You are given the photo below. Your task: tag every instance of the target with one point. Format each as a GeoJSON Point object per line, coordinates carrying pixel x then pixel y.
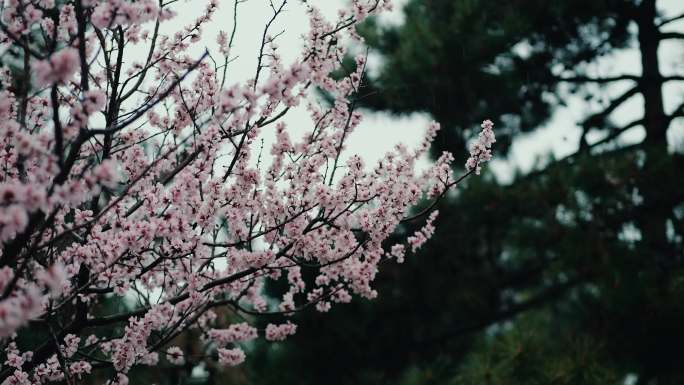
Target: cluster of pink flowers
{"type": "Point", "coordinates": [418, 239]}
{"type": "Point", "coordinates": [59, 68]}
{"type": "Point", "coordinates": [231, 357]}
{"type": "Point", "coordinates": [280, 332]}
{"type": "Point", "coordinates": [119, 12]}
{"type": "Point", "coordinates": [146, 182]}
{"type": "Point", "coordinates": [481, 150]}
{"type": "Point", "coordinates": [238, 332]}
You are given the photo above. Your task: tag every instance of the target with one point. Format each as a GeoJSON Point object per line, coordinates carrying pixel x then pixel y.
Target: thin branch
{"type": "Point", "coordinates": [670, 20]}
{"type": "Point", "coordinates": [59, 134]}
{"type": "Point", "coordinates": [598, 118]}
{"type": "Point", "coordinates": [143, 73]}
{"type": "Point", "coordinates": [81, 23]}
{"type": "Point", "coordinates": [143, 110]}
{"type": "Point", "coordinates": [588, 79]}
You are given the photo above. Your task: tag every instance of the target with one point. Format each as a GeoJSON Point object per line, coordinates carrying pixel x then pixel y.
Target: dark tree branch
{"type": "Point", "coordinates": [670, 35]}
{"type": "Point", "coordinates": [598, 119]}
{"type": "Point", "coordinates": [677, 113]}
{"type": "Point", "coordinates": [674, 78]}
{"type": "Point", "coordinates": [547, 296]}
{"type": "Point", "coordinates": [143, 109]}
{"type": "Point", "coordinates": [670, 20]}
{"type": "Point", "coordinates": [81, 22]}
{"type": "Point", "coordinates": [59, 135]}
{"type": "Point", "coordinates": [588, 79]}
{"type": "Point", "coordinates": [143, 73]}
{"type": "Point", "coordinates": [218, 282]}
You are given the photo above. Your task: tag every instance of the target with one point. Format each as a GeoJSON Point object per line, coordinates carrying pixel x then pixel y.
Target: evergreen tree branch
{"type": "Point", "coordinates": [671, 35]}
{"type": "Point", "coordinates": [588, 79]}
{"type": "Point", "coordinates": [670, 20]}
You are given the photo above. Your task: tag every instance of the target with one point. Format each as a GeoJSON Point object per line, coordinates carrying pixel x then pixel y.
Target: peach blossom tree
{"type": "Point", "coordinates": [142, 178]}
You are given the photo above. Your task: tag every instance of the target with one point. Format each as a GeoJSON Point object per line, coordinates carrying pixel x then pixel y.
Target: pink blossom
{"type": "Point", "coordinates": [280, 332]}
{"type": "Point", "coordinates": [398, 252]}
{"type": "Point", "coordinates": [58, 68]}
{"type": "Point", "coordinates": [94, 100]}
{"type": "Point", "coordinates": [80, 368]}
{"type": "Point", "coordinates": [106, 173]}
{"type": "Point", "coordinates": [234, 333]}
{"type": "Point", "coordinates": [18, 378]}
{"type": "Point", "coordinates": [6, 275]}
{"type": "Point", "coordinates": [70, 345]}
{"type": "Point", "coordinates": [54, 278]}
{"type": "Point", "coordinates": [103, 15]}
{"type": "Point", "coordinates": [222, 41]}
{"type": "Point", "coordinates": [480, 151]}
{"type": "Point", "coordinates": [231, 357]}
{"type": "Point", "coordinates": [14, 360]}
{"type": "Point", "coordinates": [175, 355]}
{"type": "Point", "coordinates": [418, 239]}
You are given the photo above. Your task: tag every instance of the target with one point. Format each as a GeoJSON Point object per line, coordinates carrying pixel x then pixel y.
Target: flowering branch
{"type": "Point", "coordinates": [175, 202]}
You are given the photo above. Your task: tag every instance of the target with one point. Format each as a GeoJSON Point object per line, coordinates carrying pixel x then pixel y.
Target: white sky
{"type": "Point", "coordinates": [379, 132]}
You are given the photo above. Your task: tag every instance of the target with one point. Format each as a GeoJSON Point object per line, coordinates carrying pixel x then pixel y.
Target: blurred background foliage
{"type": "Point", "coordinates": [570, 274]}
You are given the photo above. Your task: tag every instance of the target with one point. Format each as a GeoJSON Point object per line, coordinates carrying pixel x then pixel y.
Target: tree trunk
{"type": "Point", "coordinates": [657, 206]}
{"type": "Point", "coordinates": [651, 83]}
